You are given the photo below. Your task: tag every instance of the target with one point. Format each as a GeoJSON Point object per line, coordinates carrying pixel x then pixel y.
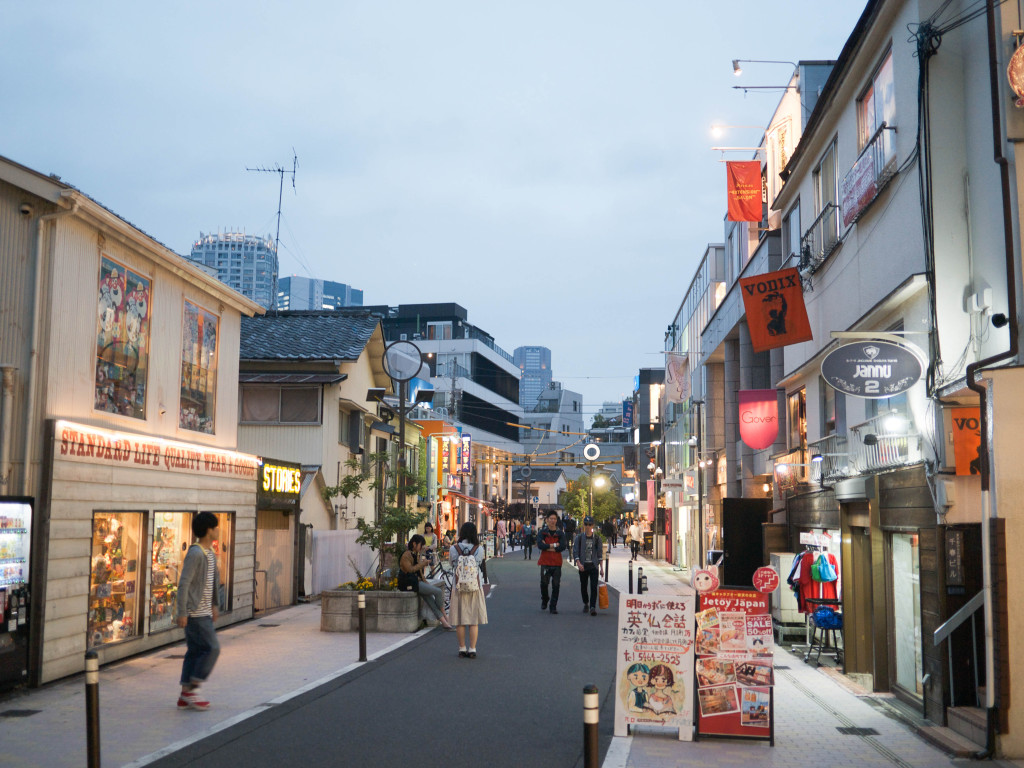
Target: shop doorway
{"type": "Point", "coordinates": [905, 640]}
{"type": "Point", "coordinates": [274, 559]}
{"type": "Point", "coordinates": [743, 539]}
{"type": "Point", "coordinates": [858, 635]}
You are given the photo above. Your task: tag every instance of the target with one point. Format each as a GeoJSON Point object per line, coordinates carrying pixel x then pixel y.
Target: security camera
{"type": "Point", "coordinates": [25, 209]}
{"type": "Point", "coordinates": [999, 320]}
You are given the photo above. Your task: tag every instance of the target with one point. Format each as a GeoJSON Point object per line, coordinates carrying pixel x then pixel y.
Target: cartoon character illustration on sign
{"type": "Point", "coordinates": [776, 304]}
{"type": "Point", "coordinates": [662, 680]}
{"type": "Point", "coordinates": [705, 581]}
{"type": "Point", "coordinates": [637, 677]}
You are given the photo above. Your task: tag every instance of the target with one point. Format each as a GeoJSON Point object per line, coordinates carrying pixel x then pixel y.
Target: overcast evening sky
{"type": "Point", "coordinates": [546, 165]}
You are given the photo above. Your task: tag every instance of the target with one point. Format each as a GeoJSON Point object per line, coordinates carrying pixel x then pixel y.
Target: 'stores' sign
{"type": "Point", "coordinates": [871, 369]}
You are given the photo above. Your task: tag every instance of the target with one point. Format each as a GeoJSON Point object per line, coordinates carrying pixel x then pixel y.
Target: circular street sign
{"type": "Point", "coordinates": [872, 369]}
{"type": "Point", "coordinates": [704, 581]}
{"type": "Point", "coordinates": [525, 472]}
{"type": "Point", "coordinates": [591, 452]}
{"type": "Point", "coordinates": [766, 579]}
{"type": "Point", "coordinates": [402, 360]}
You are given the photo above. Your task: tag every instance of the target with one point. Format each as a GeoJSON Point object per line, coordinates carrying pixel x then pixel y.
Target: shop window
{"type": "Point", "coordinates": [280, 405]}
{"type": "Point", "coordinates": [791, 233]}
{"type": "Point", "coordinates": [198, 369]}
{"type": "Point", "coordinates": [833, 410]}
{"type": "Point", "coordinates": [122, 340]}
{"type": "Point", "coordinates": [172, 536]}
{"type": "Point", "coordinates": [877, 105]}
{"type": "Point", "coordinates": [796, 419]}
{"type": "Point", "coordinates": [114, 578]}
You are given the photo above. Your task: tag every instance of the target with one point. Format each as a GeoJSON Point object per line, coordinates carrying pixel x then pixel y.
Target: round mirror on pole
{"type": "Point", "coordinates": [402, 360]}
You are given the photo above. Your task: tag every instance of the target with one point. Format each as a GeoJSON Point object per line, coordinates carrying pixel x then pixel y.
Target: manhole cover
{"type": "Point", "coordinates": [20, 712]}
{"type": "Point", "coordinates": [268, 625]}
{"type": "Point", "coordinates": [854, 731]}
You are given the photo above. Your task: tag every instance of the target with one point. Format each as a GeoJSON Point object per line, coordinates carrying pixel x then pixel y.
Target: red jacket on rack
{"type": "Point", "coordinates": [808, 587]}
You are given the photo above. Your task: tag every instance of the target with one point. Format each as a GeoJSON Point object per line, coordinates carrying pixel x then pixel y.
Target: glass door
{"type": "Point", "coordinates": [906, 612]}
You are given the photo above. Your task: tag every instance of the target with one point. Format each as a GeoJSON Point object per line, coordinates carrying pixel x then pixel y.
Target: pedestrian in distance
{"type": "Point", "coordinates": [608, 531]}
{"type": "Point", "coordinates": [500, 532]}
{"type": "Point", "coordinates": [551, 542]}
{"type": "Point", "coordinates": [635, 537]}
{"type": "Point", "coordinates": [526, 537]}
{"type": "Point", "coordinates": [469, 607]}
{"type": "Point", "coordinates": [196, 610]}
{"type": "Point", "coordinates": [614, 534]}
{"type": "Point", "coordinates": [588, 555]}
{"type": "Point", "coordinates": [570, 531]}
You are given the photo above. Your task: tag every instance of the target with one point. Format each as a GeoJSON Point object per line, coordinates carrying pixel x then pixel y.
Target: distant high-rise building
{"type": "Point", "coordinates": [535, 373]}
{"type": "Point", "coordinates": [311, 293]}
{"type": "Point", "coordinates": [248, 263]}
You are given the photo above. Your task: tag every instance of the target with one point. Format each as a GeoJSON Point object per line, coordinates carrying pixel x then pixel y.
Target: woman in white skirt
{"type": "Point", "coordinates": [469, 607]}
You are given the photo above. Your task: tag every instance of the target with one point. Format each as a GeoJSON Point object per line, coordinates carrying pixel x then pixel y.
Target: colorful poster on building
{"type": "Point", "coordinates": [197, 404]}
{"type": "Point", "coordinates": [966, 423]}
{"type": "Point", "coordinates": [677, 378]}
{"type": "Point", "coordinates": [465, 454]}
{"type": "Point", "coordinates": [122, 340]}
{"type": "Point", "coordinates": [734, 665]}
{"type": "Point", "coordinates": [776, 314]}
{"type": "Point", "coordinates": [743, 179]}
{"type": "Point", "coordinates": [654, 671]}
{"type": "Point", "coordinates": [759, 417]}
{"type": "Point", "coordinates": [627, 414]}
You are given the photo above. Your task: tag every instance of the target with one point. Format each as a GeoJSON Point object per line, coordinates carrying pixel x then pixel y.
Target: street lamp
{"type": "Point", "coordinates": [599, 481]}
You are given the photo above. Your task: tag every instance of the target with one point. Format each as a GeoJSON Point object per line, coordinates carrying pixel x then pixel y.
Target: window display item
{"type": "Point", "coordinates": [114, 593]}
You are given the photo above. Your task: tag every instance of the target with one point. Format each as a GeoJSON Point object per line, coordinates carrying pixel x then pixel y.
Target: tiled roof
{"type": "Point", "coordinates": [537, 475]}
{"type": "Point", "coordinates": [306, 335]}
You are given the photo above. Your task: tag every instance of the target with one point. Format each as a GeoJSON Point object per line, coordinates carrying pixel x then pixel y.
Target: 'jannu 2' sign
{"type": "Point", "coordinates": [871, 369]}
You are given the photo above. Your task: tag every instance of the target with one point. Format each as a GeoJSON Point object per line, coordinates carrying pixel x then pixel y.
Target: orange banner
{"type": "Point", "coordinates": [966, 424]}
{"type": "Point", "coordinates": [776, 314]}
{"type": "Point", "coordinates": [744, 190]}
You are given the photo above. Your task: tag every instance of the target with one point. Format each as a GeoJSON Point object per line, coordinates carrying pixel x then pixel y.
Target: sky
{"type": "Point", "coordinates": [546, 165]}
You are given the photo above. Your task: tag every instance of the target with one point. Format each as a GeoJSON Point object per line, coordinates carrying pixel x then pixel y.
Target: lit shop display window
{"type": "Point", "coordinates": [172, 536]}
{"type": "Point", "coordinates": [114, 581]}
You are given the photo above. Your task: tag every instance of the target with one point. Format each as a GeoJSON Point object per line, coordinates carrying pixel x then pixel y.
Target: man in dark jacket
{"type": "Point", "coordinates": [588, 556]}
{"type": "Point", "coordinates": [551, 543]}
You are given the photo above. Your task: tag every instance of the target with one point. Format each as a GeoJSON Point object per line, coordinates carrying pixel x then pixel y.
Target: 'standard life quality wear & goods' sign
{"type": "Point", "coordinates": [871, 369]}
{"type": "Point", "coordinates": [654, 668]}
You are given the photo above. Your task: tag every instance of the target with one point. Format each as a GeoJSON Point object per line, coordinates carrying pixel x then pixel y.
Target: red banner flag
{"type": "Point", "coordinates": [776, 315]}
{"type": "Point", "coordinates": [744, 190]}
{"type": "Point", "coordinates": [759, 417]}
{"type": "Point", "coordinates": [966, 424]}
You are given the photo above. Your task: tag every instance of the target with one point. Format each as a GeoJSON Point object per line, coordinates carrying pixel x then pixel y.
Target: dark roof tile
{"type": "Point", "coordinates": [305, 335]}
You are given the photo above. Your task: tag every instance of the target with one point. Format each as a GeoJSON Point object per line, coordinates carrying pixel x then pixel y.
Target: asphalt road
{"type": "Point", "coordinates": [519, 703]}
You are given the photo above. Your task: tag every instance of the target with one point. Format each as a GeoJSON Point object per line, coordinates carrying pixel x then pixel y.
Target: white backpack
{"type": "Point", "coordinates": [467, 571]}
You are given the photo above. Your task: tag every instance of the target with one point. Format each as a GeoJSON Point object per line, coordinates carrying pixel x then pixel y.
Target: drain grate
{"type": "Point", "coordinates": [854, 731]}
{"type": "Point", "coordinates": [20, 712]}
{"type": "Point", "coordinates": [268, 625]}
{"type": "Point", "coordinates": [779, 667]}
{"type": "Point", "coordinates": [175, 656]}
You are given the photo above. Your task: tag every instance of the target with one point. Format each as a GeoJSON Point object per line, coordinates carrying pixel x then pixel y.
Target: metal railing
{"type": "Point", "coordinates": [829, 459]}
{"type": "Point", "coordinates": [820, 239]}
{"type": "Point", "coordinates": [879, 443]}
{"type": "Point", "coordinates": [973, 605]}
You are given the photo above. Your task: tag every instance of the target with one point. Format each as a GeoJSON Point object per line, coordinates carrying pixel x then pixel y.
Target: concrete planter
{"type": "Point", "coordinates": [385, 611]}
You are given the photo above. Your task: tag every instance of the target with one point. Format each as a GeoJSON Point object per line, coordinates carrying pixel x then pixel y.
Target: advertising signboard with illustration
{"type": "Point", "coordinates": [654, 669]}
{"type": "Point", "coordinates": [734, 666]}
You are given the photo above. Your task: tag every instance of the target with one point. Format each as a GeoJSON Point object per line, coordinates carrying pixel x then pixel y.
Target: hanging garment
{"type": "Point", "coordinates": [808, 587]}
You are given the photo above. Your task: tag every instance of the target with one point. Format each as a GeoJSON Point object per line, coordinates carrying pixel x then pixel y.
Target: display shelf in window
{"type": "Point", "coordinates": [13, 531]}
{"type": "Point", "coordinates": [113, 592]}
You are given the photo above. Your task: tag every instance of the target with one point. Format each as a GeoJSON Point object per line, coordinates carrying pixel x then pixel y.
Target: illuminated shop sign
{"type": "Point", "coordinates": [278, 483]}
{"type": "Point", "coordinates": [871, 369]}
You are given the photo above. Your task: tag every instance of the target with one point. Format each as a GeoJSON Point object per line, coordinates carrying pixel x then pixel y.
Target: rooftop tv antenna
{"type": "Point", "coordinates": [280, 171]}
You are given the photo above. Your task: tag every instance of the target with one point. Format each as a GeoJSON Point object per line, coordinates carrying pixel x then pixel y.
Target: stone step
{"type": "Point", "coordinates": [969, 722]}
{"type": "Point", "coordinates": [949, 741]}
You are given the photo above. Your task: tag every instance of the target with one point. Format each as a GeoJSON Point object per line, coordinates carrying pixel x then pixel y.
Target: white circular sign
{"type": "Point", "coordinates": [591, 452]}
{"type": "Point", "coordinates": [402, 360]}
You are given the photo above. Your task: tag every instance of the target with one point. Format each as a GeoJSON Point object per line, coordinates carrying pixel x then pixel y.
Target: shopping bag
{"type": "Point", "coordinates": [602, 596]}
{"type": "Point", "coordinates": [826, 570]}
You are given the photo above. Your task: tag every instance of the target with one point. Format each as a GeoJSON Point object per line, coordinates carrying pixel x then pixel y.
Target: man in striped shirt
{"type": "Point", "coordinates": [196, 611]}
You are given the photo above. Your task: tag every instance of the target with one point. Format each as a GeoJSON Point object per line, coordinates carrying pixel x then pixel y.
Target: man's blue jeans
{"type": "Point", "coordinates": [201, 649]}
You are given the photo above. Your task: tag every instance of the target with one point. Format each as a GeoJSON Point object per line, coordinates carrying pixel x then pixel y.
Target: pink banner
{"type": "Point", "coordinates": [759, 417]}
{"type": "Point", "coordinates": [652, 499]}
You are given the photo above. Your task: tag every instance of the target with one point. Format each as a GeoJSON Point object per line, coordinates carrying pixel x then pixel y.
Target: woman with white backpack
{"type": "Point", "coordinates": [468, 607]}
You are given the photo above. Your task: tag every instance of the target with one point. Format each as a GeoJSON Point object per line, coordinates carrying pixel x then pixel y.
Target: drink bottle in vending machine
{"type": "Point", "coordinates": [15, 540]}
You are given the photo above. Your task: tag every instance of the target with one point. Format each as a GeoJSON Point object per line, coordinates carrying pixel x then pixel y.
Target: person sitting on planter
{"type": "Point", "coordinates": [412, 579]}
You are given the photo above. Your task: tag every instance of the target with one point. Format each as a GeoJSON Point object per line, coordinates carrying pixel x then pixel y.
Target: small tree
{"type": "Point", "coordinates": [576, 500]}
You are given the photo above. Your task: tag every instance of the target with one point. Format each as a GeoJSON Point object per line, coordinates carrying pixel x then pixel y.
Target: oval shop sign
{"type": "Point", "coordinates": [871, 369]}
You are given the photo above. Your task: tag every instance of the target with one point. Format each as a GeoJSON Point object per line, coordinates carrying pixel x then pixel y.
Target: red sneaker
{"type": "Point", "coordinates": [192, 701]}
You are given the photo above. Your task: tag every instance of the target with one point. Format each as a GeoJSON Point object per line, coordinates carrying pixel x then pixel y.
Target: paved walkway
{"type": "Point", "coordinates": [277, 657]}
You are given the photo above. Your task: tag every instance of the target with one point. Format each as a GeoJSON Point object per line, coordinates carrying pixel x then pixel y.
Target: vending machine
{"type": "Point", "coordinates": [15, 548]}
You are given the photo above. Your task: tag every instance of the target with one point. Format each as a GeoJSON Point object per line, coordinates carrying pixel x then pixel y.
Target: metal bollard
{"type": "Point", "coordinates": [631, 577]}
{"type": "Point", "coordinates": [591, 715]}
{"type": "Point", "coordinates": [606, 568]}
{"type": "Point", "coordinates": [362, 626]}
{"type": "Point", "coordinates": [92, 708]}
{"type": "Point", "coordinates": [641, 582]}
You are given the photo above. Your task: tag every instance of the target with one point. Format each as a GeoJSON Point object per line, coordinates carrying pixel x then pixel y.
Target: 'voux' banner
{"type": "Point", "coordinates": [776, 315]}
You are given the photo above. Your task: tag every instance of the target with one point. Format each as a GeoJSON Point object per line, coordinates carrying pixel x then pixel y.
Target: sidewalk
{"type": "Point", "coordinates": [813, 708]}
{"type": "Point", "coordinates": [262, 663]}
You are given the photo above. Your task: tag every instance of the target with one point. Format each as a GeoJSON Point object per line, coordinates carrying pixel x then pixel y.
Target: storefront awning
{"type": "Point", "coordinates": [470, 499]}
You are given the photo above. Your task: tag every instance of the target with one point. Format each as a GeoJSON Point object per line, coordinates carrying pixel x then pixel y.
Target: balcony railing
{"type": "Point", "coordinates": [820, 239]}
{"type": "Point", "coordinates": [829, 459]}
{"type": "Point", "coordinates": [885, 442]}
{"type": "Point", "coordinates": [875, 166]}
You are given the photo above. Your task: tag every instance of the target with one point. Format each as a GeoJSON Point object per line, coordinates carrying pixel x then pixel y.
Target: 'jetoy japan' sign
{"type": "Point", "coordinates": [871, 369]}
{"type": "Point", "coordinates": [759, 417]}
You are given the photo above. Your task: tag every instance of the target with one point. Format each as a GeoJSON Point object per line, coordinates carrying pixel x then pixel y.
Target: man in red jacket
{"type": "Point", "coordinates": [551, 543]}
